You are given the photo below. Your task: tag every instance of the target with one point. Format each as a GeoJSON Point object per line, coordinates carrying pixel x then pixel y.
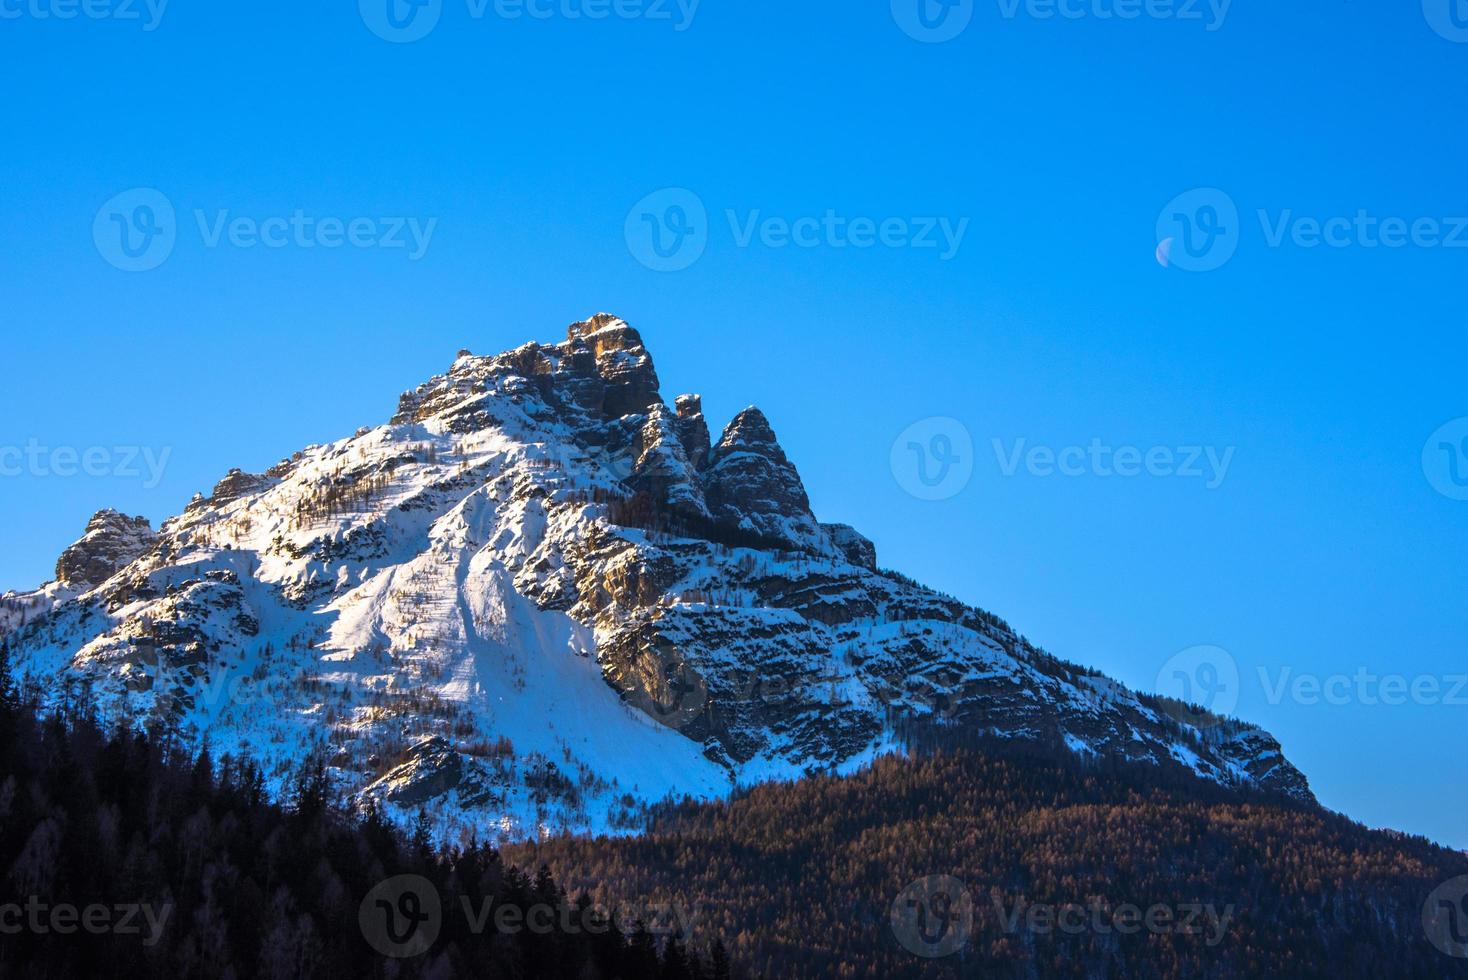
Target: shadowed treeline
{"type": "Point", "coordinates": [123, 856]}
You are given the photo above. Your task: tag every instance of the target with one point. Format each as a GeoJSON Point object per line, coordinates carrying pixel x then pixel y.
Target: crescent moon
{"type": "Point", "coordinates": [1164, 253]}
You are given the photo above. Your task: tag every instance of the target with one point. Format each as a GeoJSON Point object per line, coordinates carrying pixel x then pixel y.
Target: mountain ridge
{"type": "Point", "coordinates": [539, 598]}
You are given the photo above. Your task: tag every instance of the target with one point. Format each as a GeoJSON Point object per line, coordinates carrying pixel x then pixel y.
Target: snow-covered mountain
{"type": "Point", "coordinates": [540, 597]}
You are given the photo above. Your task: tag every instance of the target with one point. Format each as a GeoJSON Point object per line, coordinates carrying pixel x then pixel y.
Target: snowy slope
{"type": "Point", "coordinates": [541, 598]}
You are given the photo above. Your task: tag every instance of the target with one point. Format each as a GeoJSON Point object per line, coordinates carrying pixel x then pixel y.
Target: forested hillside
{"type": "Point", "coordinates": [121, 856]}
{"type": "Point", "coordinates": [1034, 869]}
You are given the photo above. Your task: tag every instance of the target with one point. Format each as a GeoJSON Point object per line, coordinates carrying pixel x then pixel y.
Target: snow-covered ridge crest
{"type": "Point", "coordinates": [540, 597]}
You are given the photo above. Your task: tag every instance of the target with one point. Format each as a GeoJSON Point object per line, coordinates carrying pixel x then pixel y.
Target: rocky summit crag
{"type": "Point", "coordinates": [541, 598]}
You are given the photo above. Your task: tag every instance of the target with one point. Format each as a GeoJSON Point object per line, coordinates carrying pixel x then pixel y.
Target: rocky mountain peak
{"type": "Point", "coordinates": [236, 484]}
{"type": "Point", "coordinates": [750, 483]}
{"type": "Point", "coordinates": [605, 331]}
{"type": "Point", "coordinates": [538, 593]}
{"type": "Point", "coordinates": [693, 430]}
{"type": "Point", "coordinates": [748, 429]}
{"type": "Point", "coordinates": [111, 541]}
{"type": "Point", "coordinates": [621, 360]}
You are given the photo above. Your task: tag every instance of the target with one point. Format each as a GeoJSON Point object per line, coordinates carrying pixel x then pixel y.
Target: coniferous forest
{"type": "Point", "coordinates": [123, 856]}
{"type": "Point", "coordinates": [800, 878]}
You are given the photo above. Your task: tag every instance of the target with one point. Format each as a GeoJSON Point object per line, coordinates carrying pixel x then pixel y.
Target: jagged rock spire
{"type": "Point", "coordinates": [751, 483]}
{"type": "Point", "coordinates": [111, 541]}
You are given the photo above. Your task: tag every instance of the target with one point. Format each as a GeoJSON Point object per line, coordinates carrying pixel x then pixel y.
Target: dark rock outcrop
{"type": "Point", "coordinates": [693, 430]}
{"type": "Point", "coordinates": [621, 361]}
{"type": "Point", "coordinates": [854, 546]}
{"type": "Point", "coordinates": [236, 484]}
{"type": "Point", "coordinates": [112, 540]}
{"type": "Point", "coordinates": [751, 485]}
{"type": "Point", "coordinates": [431, 769]}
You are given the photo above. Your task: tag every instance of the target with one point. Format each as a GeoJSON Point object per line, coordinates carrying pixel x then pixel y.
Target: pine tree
{"type": "Point", "coordinates": [675, 961]}
{"type": "Point", "coordinates": [422, 836]}
{"type": "Point", "coordinates": [312, 790]}
{"type": "Point", "coordinates": [719, 961]}
{"type": "Point", "coordinates": [642, 952]}
{"type": "Point", "coordinates": [7, 683]}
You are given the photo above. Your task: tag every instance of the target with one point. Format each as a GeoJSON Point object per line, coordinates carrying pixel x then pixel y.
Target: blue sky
{"type": "Point", "coordinates": [521, 148]}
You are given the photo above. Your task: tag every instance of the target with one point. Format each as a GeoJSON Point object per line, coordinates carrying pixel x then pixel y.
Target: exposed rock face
{"type": "Point", "coordinates": [236, 484]}
{"type": "Point", "coordinates": [693, 430]}
{"type": "Point", "coordinates": [751, 485]}
{"type": "Point", "coordinates": [432, 769]}
{"type": "Point", "coordinates": [111, 541]}
{"type": "Point", "coordinates": [855, 546]}
{"type": "Point", "coordinates": [663, 467]}
{"type": "Point", "coordinates": [547, 600]}
{"type": "Point", "coordinates": [621, 361]}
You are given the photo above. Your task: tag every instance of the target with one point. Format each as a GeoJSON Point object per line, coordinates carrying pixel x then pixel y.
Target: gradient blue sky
{"type": "Point", "coordinates": [1326, 549]}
